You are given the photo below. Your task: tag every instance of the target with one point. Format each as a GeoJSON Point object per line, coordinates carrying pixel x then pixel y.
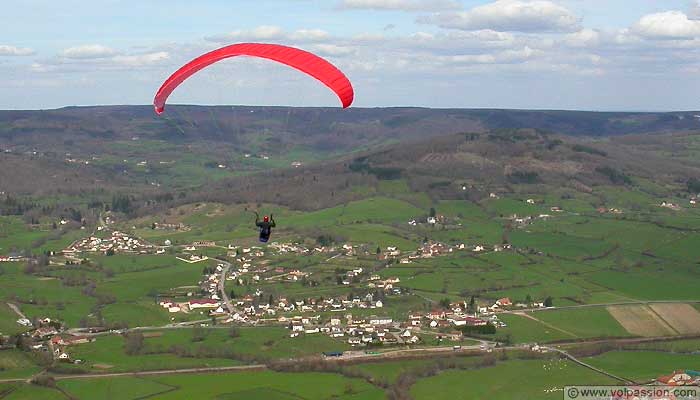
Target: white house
{"type": "Point", "coordinates": [380, 320]}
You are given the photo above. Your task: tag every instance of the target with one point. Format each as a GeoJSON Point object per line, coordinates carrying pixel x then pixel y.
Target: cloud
{"type": "Point", "coordinates": [389, 27]}
{"type": "Point", "coordinates": [509, 16]}
{"type": "Point", "coordinates": [139, 60]}
{"type": "Point", "coordinates": [583, 38]}
{"type": "Point", "coordinates": [15, 51]}
{"type": "Point", "coordinates": [88, 52]}
{"type": "Point", "coordinates": [399, 5]}
{"type": "Point", "coordinates": [694, 10]}
{"type": "Point", "coordinates": [504, 57]}
{"type": "Point", "coordinates": [667, 25]}
{"type": "Point", "coordinates": [332, 50]}
{"type": "Point", "coordinates": [263, 32]}
{"type": "Point", "coordinates": [309, 35]}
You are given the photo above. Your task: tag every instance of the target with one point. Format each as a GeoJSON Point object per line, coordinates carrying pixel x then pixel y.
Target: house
{"type": "Point", "coordinates": [335, 321]}
{"type": "Point", "coordinates": [504, 302]}
{"type": "Point", "coordinates": [380, 320]}
{"type": "Point", "coordinates": [678, 378]}
{"type": "Point", "coordinates": [43, 333]}
{"type": "Point", "coordinates": [71, 340]}
{"type": "Point", "coordinates": [297, 327]}
{"type": "Point", "coordinates": [202, 303]}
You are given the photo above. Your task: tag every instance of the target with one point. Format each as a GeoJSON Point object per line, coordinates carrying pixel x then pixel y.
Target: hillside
{"type": "Point", "coordinates": [58, 161]}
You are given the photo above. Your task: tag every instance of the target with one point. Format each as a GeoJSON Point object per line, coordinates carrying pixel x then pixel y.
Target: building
{"type": "Point", "coordinates": [380, 320]}
{"type": "Point", "coordinates": [202, 303]}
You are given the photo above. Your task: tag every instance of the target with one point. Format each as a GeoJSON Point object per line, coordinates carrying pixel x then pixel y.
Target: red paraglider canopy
{"type": "Point", "coordinates": [304, 61]}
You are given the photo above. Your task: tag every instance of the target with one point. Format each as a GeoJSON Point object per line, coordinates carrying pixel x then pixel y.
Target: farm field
{"type": "Point", "coordinates": [682, 317]}
{"type": "Point", "coordinates": [641, 320]}
{"type": "Point", "coordinates": [523, 379]}
{"type": "Point", "coordinates": [643, 366]}
{"type": "Point", "coordinates": [584, 322]}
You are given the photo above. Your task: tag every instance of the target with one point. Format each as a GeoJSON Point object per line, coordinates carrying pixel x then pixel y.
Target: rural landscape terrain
{"type": "Point", "coordinates": [418, 253]}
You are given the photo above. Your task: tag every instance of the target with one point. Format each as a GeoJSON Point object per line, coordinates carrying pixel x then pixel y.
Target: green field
{"type": "Point", "coordinates": [643, 366]}
{"type": "Point", "coordinates": [584, 322]}
{"type": "Point", "coordinates": [517, 379]}
{"type": "Point", "coordinates": [237, 385]}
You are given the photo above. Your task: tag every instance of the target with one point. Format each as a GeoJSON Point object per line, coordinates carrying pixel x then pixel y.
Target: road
{"type": "Point", "coordinates": [621, 303]}
{"type": "Point", "coordinates": [589, 366]}
{"type": "Point", "coordinates": [222, 285]}
{"type": "Point", "coordinates": [238, 368]}
{"type": "Point", "coordinates": [16, 310]}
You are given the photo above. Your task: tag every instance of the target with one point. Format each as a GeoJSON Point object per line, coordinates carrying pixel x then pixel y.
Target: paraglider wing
{"type": "Point", "coordinates": [304, 61]}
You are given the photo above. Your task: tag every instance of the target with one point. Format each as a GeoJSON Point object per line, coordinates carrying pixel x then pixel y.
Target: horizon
{"type": "Point", "coordinates": [165, 114]}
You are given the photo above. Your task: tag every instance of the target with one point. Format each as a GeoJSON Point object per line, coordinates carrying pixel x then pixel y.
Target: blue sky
{"type": "Point", "coordinates": [572, 54]}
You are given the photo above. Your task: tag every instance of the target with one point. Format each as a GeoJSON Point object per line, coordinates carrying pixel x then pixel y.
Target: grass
{"type": "Point", "coordinates": [517, 379]}
{"type": "Point", "coordinates": [524, 330]}
{"type": "Point", "coordinates": [44, 297]}
{"type": "Point", "coordinates": [107, 354]}
{"type": "Point", "coordinates": [8, 321]}
{"type": "Point", "coordinates": [33, 392]}
{"type": "Point", "coordinates": [389, 371]}
{"type": "Point", "coordinates": [16, 364]}
{"type": "Point", "coordinates": [584, 322]}
{"type": "Point", "coordinates": [125, 387]}
{"type": "Point", "coordinates": [262, 341]}
{"type": "Point", "coordinates": [268, 385]}
{"type": "Point", "coordinates": [643, 366]}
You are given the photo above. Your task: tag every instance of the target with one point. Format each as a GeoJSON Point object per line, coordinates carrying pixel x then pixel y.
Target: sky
{"type": "Point", "coordinates": [599, 55]}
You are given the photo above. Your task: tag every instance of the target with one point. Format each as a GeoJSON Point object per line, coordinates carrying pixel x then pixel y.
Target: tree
{"type": "Point", "coordinates": [232, 295]}
{"type": "Point", "coordinates": [270, 300]}
{"type": "Point", "coordinates": [379, 250]}
{"type": "Point", "coordinates": [445, 303]}
{"type": "Point", "coordinates": [134, 343]}
{"type": "Point", "coordinates": [234, 332]}
{"type": "Point", "coordinates": [153, 225]}
{"type": "Point", "coordinates": [198, 334]}
{"type": "Point", "coordinates": [472, 304]}
{"type": "Point", "coordinates": [548, 301]}
{"type": "Point", "coordinates": [432, 212]}
{"type": "Point", "coordinates": [528, 299]}
{"type": "Point", "coordinates": [694, 185]}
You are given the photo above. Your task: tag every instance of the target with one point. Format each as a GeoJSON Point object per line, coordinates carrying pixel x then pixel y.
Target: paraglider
{"type": "Point", "coordinates": [306, 62]}
{"type": "Point", "coordinates": [265, 226]}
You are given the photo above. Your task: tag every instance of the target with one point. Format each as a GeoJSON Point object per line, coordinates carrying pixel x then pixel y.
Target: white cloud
{"type": "Point", "coordinates": [139, 60]}
{"type": "Point", "coordinates": [667, 25]}
{"type": "Point", "coordinates": [263, 32]}
{"type": "Point", "coordinates": [87, 52]}
{"type": "Point", "coordinates": [694, 11]}
{"type": "Point", "coordinates": [504, 57]}
{"type": "Point", "coordinates": [509, 15]}
{"type": "Point", "coordinates": [583, 38]}
{"type": "Point", "coordinates": [15, 51]}
{"type": "Point", "coordinates": [309, 35]}
{"type": "Point", "coordinates": [272, 34]}
{"type": "Point", "coordinates": [332, 50]}
{"type": "Point", "coordinates": [399, 5]}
